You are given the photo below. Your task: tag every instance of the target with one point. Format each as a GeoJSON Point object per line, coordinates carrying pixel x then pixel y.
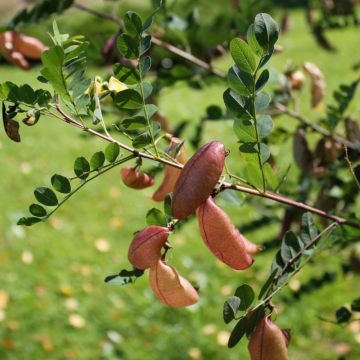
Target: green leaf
{"type": "Point", "coordinates": [265, 125]}
{"type": "Point", "coordinates": [256, 316]}
{"type": "Point", "coordinates": [254, 175]}
{"type": "Point", "coordinates": [126, 273]}
{"type": "Point", "coordinates": [151, 109]}
{"type": "Point", "coordinates": [81, 88]}
{"type": "Point", "coordinates": [155, 128]}
{"type": "Point", "coordinates": [238, 105]}
{"type": "Point", "coordinates": [145, 44]}
{"type": "Point", "coordinates": [133, 123]}
{"type": "Point", "coordinates": [355, 305]}
{"type": "Point", "coordinates": [77, 37]}
{"type": "Point", "coordinates": [266, 58]}
{"type": "Point", "coordinates": [147, 24]}
{"type": "Point", "coordinates": [147, 89]}
{"type": "Point", "coordinates": [126, 74]}
{"type": "Point", "coordinates": [253, 43]}
{"type": "Point", "coordinates": [290, 246]}
{"type": "Point", "coordinates": [156, 217]}
{"type": "Point", "coordinates": [167, 205]}
{"type": "Point", "coordinates": [82, 101]}
{"type": "Point", "coordinates": [128, 99]}
{"type": "Point", "coordinates": [250, 153]}
{"type": "Point", "coordinates": [214, 112]}
{"type": "Point", "coordinates": [262, 80]}
{"type": "Point", "coordinates": [80, 49]}
{"type": "Point", "coordinates": [266, 31]}
{"type": "Point", "coordinates": [37, 210]}
{"type": "Point", "coordinates": [230, 308]}
{"type": "Point", "coordinates": [141, 141]}
{"type": "Point", "coordinates": [138, 272]}
{"type": "Point", "coordinates": [133, 23]}
{"type": "Point", "coordinates": [53, 59]}
{"type": "Point", "coordinates": [61, 184]}
{"type": "Point", "coordinates": [10, 91]}
{"type": "Point", "coordinates": [44, 98]}
{"type": "Point", "coordinates": [42, 80]}
{"type": "Point", "coordinates": [270, 176]}
{"type": "Point", "coordinates": [128, 47]}
{"type": "Point", "coordinates": [76, 78]}
{"type": "Point", "coordinates": [242, 55]}
{"type": "Point", "coordinates": [45, 196]}
{"type": "Point", "coordinates": [26, 94]}
{"type": "Point", "coordinates": [241, 81]}
{"type": "Point", "coordinates": [81, 166]}
{"type": "Point", "coordinates": [244, 130]}
{"type": "Point", "coordinates": [57, 82]}
{"type": "Point", "coordinates": [57, 33]}
{"type": "Point", "coordinates": [118, 280]}
{"type": "Point", "coordinates": [247, 296]}
{"type": "Point", "coordinates": [278, 264]}
{"type": "Point", "coordinates": [308, 231]}
{"type": "Point", "coordinates": [97, 160]}
{"type": "Point", "coordinates": [231, 197]}
{"type": "Point", "coordinates": [343, 315]}
{"type": "Point", "coordinates": [144, 65]}
{"type": "Point", "coordinates": [238, 332]}
{"type": "Point", "coordinates": [262, 101]}
{"type": "Point", "coordinates": [112, 152]}
{"type": "Point", "coordinates": [28, 221]}
{"type": "Point", "coordinates": [266, 286]}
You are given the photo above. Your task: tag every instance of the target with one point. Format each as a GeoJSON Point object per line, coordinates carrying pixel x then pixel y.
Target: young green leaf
{"type": "Point", "coordinates": [241, 81]}
{"type": "Point", "coordinates": [126, 74]}
{"type": "Point", "coordinates": [266, 286]}
{"type": "Point", "coordinates": [112, 152]}
{"type": "Point", "coordinates": [133, 23]}
{"type": "Point", "coordinates": [230, 308]}
{"type": "Point", "coordinates": [265, 125]}
{"type": "Point", "coordinates": [61, 184]}
{"type": "Point", "coordinates": [242, 55]}
{"type": "Point", "coordinates": [244, 130]}
{"type": "Point", "coordinates": [81, 166]}
{"type": "Point", "coordinates": [28, 221]}
{"type": "Point", "coordinates": [45, 196]}
{"type": "Point", "coordinates": [80, 49]}
{"type": "Point", "coordinates": [238, 332]}
{"type": "Point", "coordinates": [308, 231]}
{"type": "Point", "coordinates": [266, 31]}
{"type": "Point", "coordinates": [238, 105]}
{"type": "Point", "coordinates": [128, 47]}
{"type": "Point", "coordinates": [167, 205]}
{"type": "Point", "coordinates": [262, 101]}
{"type": "Point", "coordinates": [37, 210]}
{"type": "Point", "coordinates": [246, 294]}
{"type": "Point", "coordinates": [26, 94]}
{"type": "Point", "coordinates": [133, 123]}
{"type": "Point", "coordinates": [253, 43]}
{"type": "Point", "coordinates": [255, 317]}
{"type": "Point", "coordinates": [128, 99]}
{"type": "Point", "coordinates": [262, 80]}
{"type": "Point", "coordinates": [97, 160]}
{"type": "Point", "coordinates": [156, 217]}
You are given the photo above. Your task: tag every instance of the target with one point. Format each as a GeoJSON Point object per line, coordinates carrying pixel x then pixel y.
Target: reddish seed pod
{"type": "Point", "coordinates": [171, 174]}
{"type": "Point", "coordinates": [10, 52]}
{"type": "Point", "coordinates": [171, 288]}
{"type": "Point", "coordinates": [251, 248]}
{"type": "Point", "coordinates": [268, 342]}
{"type": "Point", "coordinates": [198, 179]}
{"type": "Point", "coordinates": [221, 237]}
{"type": "Point", "coordinates": [146, 245]}
{"type": "Point", "coordinates": [28, 46]}
{"type": "Point", "coordinates": [135, 180]}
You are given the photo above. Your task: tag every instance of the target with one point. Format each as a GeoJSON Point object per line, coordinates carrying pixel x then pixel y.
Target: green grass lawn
{"type": "Point", "coordinates": [53, 301]}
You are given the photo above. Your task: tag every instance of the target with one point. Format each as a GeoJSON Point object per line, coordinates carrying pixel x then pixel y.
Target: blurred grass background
{"type": "Point", "coordinates": [53, 301]}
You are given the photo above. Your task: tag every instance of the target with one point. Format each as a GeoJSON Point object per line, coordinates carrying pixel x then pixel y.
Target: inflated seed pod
{"type": "Point", "coordinates": [287, 336]}
{"type": "Point", "coordinates": [146, 245]}
{"type": "Point", "coordinates": [28, 46]}
{"type": "Point", "coordinates": [221, 237]}
{"type": "Point", "coordinates": [135, 180]}
{"type": "Point", "coordinates": [171, 173]}
{"type": "Point", "coordinates": [10, 53]}
{"type": "Point", "coordinates": [171, 288]}
{"type": "Point", "coordinates": [251, 248]}
{"type": "Point", "coordinates": [198, 179]}
{"type": "Point", "coordinates": [268, 342]}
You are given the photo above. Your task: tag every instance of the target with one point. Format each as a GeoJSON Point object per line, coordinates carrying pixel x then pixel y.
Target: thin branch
{"type": "Point", "coordinates": [350, 167]}
{"type": "Point", "coordinates": [316, 127]}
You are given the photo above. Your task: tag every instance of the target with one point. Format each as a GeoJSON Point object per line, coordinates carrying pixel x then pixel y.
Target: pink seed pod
{"type": "Point", "coordinates": [135, 180]}
{"type": "Point", "coordinates": [251, 248]}
{"type": "Point", "coordinates": [11, 53]}
{"type": "Point", "coordinates": [146, 245]}
{"type": "Point", "coordinates": [28, 46]}
{"type": "Point", "coordinates": [171, 174]}
{"type": "Point", "coordinates": [169, 287]}
{"type": "Point", "coordinates": [268, 342]}
{"type": "Point", "coordinates": [221, 237]}
{"type": "Point", "coordinates": [198, 179]}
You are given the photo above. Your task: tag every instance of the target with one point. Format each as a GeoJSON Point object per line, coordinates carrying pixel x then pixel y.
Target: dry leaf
{"type": "Point", "coordinates": [318, 85]}
{"type": "Point", "coordinates": [11, 126]}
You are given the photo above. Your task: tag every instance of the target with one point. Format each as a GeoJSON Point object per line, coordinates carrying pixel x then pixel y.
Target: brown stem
{"type": "Point", "coordinates": [100, 14]}
{"type": "Point", "coordinates": [317, 128]}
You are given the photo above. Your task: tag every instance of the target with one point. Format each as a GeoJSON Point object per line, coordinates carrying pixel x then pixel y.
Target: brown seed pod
{"type": "Point", "coordinates": [135, 180]}
{"type": "Point", "coordinates": [198, 179]}
{"type": "Point", "coordinates": [146, 245]}
{"type": "Point", "coordinates": [10, 52]}
{"type": "Point", "coordinates": [297, 80]}
{"type": "Point", "coordinates": [318, 85]}
{"type": "Point", "coordinates": [171, 174]}
{"type": "Point", "coordinates": [268, 342]}
{"type": "Point", "coordinates": [28, 46]}
{"type": "Point", "coordinates": [221, 237]}
{"type": "Point", "coordinates": [169, 287]}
